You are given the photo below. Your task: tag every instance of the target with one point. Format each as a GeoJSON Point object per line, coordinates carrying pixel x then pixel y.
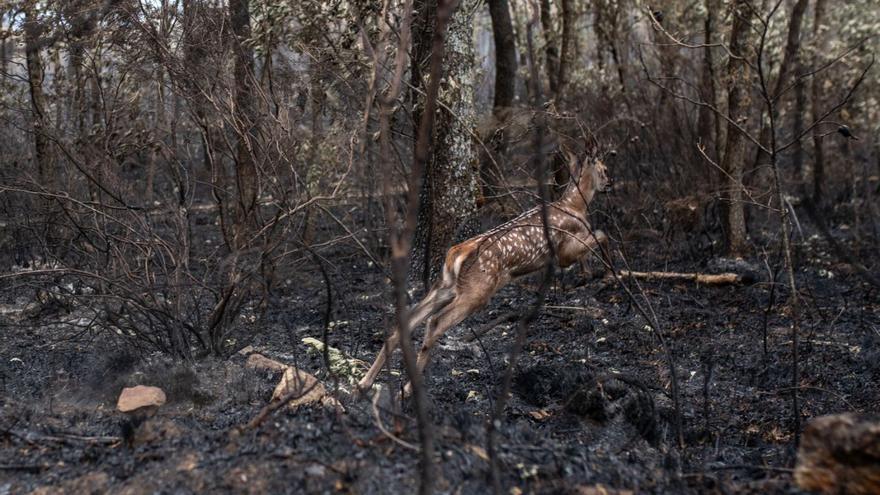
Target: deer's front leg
{"type": "Point", "coordinates": [460, 308]}
{"type": "Point", "coordinates": [578, 246]}
{"type": "Point", "coordinates": [603, 248]}
{"type": "Point", "coordinates": [387, 349]}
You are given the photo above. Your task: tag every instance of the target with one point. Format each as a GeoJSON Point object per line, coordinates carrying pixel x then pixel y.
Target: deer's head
{"type": "Point", "coordinates": [589, 175]}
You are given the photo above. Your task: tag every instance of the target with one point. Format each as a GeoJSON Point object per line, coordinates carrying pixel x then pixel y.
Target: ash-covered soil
{"type": "Point", "coordinates": [591, 404]}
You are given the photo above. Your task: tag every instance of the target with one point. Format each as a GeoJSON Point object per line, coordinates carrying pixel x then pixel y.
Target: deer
{"type": "Point", "coordinates": [476, 269]}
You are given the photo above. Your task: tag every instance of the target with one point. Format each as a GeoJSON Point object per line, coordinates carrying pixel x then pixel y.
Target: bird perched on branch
{"type": "Point", "coordinates": [846, 132]}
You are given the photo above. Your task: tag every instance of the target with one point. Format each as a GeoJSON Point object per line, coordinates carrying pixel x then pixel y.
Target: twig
{"type": "Point", "coordinates": [270, 408]}
{"type": "Point", "coordinates": [379, 424]}
{"type": "Point", "coordinates": [700, 278]}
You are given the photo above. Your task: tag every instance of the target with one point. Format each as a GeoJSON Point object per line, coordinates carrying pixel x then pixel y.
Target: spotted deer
{"type": "Point", "coordinates": [479, 267]}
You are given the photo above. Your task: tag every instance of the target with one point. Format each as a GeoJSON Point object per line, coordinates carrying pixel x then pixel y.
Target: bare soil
{"type": "Point", "coordinates": [591, 403]}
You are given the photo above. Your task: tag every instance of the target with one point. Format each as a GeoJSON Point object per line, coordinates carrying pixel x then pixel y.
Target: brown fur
{"type": "Point", "coordinates": [476, 269]}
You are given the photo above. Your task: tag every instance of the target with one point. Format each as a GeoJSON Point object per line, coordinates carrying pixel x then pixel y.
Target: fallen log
{"type": "Point", "coordinates": [840, 453]}
{"type": "Point", "coordinates": [700, 278]}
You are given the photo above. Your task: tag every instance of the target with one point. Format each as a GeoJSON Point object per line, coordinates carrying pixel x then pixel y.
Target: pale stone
{"type": "Point", "coordinates": [261, 362]}
{"type": "Point", "coordinates": [306, 389]}
{"type": "Point", "coordinates": [133, 398]}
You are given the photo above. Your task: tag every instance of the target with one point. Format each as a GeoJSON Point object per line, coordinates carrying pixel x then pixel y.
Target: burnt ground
{"type": "Point", "coordinates": [591, 403]}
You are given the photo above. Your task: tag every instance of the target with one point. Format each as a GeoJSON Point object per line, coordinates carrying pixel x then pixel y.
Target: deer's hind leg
{"type": "Point", "coordinates": [465, 304]}
{"type": "Point", "coordinates": [436, 299]}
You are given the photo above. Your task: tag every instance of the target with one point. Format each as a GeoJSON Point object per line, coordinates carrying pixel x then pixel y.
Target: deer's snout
{"type": "Point", "coordinates": [609, 185]}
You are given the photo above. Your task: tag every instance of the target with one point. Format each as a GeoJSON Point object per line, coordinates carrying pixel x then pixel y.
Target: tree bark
{"type": "Point", "coordinates": [551, 51]}
{"type": "Point", "coordinates": [194, 55]}
{"type": "Point", "coordinates": [3, 57]}
{"type": "Point", "coordinates": [449, 193]}
{"type": "Point", "coordinates": [42, 151]}
{"type": "Point", "coordinates": [245, 121]}
{"type": "Point", "coordinates": [607, 14]}
{"type": "Point", "coordinates": [738, 103]}
{"type": "Point", "coordinates": [792, 44]}
{"type": "Point", "coordinates": [800, 108]}
{"type": "Point", "coordinates": [795, 58]}
{"type": "Point", "coordinates": [567, 49]}
{"type": "Point", "coordinates": [505, 93]}
{"type": "Point", "coordinates": [505, 54]}
{"type": "Point", "coordinates": [816, 111]}
{"type": "Point", "coordinates": [709, 127]}
{"type": "Point", "coordinates": [789, 58]}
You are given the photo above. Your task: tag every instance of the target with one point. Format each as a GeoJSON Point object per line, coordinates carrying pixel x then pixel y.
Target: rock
{"type": "Point", "coordinates": [840, 453]}
{"type": "Point", "coordinates": [133, 398]}
{"type": "Point", "coordinates": [261, 362]}
{"type": "Point", "coordinates": [244, 351]}
{"type": "Point", "coordinates": [306, 387]}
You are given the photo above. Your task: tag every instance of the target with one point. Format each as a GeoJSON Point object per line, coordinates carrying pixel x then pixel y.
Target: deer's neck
{"type": "Point", "coordinates": [578, 195]}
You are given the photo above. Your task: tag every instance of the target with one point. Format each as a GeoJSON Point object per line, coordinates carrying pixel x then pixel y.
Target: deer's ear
{"type": "Point", "coordinates": [571, 159]}
{"type": "Point", "coordinates": [588, 162]}
{"type": "Point", "coordinates": [591, 146]}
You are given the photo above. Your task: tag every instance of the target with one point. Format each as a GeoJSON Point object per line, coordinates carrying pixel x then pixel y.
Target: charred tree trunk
{"type": "Point", "coordinates": [816, 111]}
{"type": "Point", "coordinates": [4, 58]}
{"type": "Point", "coordinates": [738, 103]}
{"type": "Point", "coordinates": [505, 54]}
{"type": "Point", "coordinates": [789, 57]}
{"type": "Point", "coordinates": [42, 147]}
{"type": "Point", "coordinates": [194, 54]}
{"type": "Point", "coordinates": [709, 127]}
{"type": "Point", "coordinates": [607, 14]}
{"type": "Point", "coordinates": [793, 56]}
{"type": "Point", "coordinates": [800, 107]}
{"type": "Point", "coordinates": [505, 93]}
{"type": "Point", "coordinates": [792, 45]}
{"type": "Point", "coordinates": [245, 122]}
{"type": "Point", "coordinates": [567, 53]}
{"type": "Point", "coordinates": [551, 51]}
{"type": "Point", "coordinates": [449, 192]}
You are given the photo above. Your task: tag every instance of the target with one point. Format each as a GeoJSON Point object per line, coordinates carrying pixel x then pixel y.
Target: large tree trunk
{"type": "Point", "coordinates": [818, 151]}
{"type": "Point", "coordinates": [606, 22]}
{"type": "Point", "coordinates": [450, 186]}
{"type": "Point", "coordinates": [567, 53]}
{"type": "Point", "coordinates": [794, 56]}
{"type": "Point", "coordinates": [792, 44]}
{"type": "Point", "coordinates": [709, 126]}
{"type": "Point", "coordinates": [245, 117]}
{"type": "Point", "coordinates": [505, 54]}
{"type": "Point", "coordinates": [800, 108]}
{"type": "Point", "coordinates": [789, 57]}
{"type": "Point", "coordinates": [194, 54]}
{"type": "Point", "coordinates": [42, 150]}
{"type": "Point", "coordinates": [3, 57]}
{"type": "Point", "coordinates": [550, 49]}
{"type": "Point", "coordinates": [505, 93]}
{"type": "Point", "coordinates": [738, 103]}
